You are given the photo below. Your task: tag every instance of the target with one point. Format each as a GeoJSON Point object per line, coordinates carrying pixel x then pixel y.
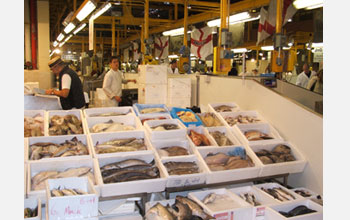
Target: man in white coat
{"type": "Point", "coordinates": [304, 77]}
{"type": "Point", "coordinates": [112, 83]}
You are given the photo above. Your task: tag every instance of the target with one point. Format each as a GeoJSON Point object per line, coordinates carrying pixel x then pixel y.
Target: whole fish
{"type": "Point", "coordinates": [240, 119]}
{"type": "Point", "coordinates": [218, 158]}
{"type": "Point", "coordinates": [254, 135]}
{"type": "Point", "coordinates": [33, 126]}
{"type": "Point", "coordinates": [42, 176]}
{"type": "Point", "coordinates": [196, 209]}
{"type": "Point", "coordinates": [73, 172]}
{"type": "Point", "coordinates": [152, 110]}
{"type": "Point", "coordinates": [165, 127]}
{"type": "Point", "coordinates": [224, 108]}
{"type": "Point", "coordinates": [159, 212]}
{"type": "Point", "coordinates": [209, 119]}
{"type": "Point", "coordinates": [29, 213]}
{"type": "Point", "coordinates": [173, 167]}
{"type": "Point", "coordinates": [125, 163]}
{"type": "Point", "coordinates": [110, 114]}
{"type": "Point", "coordinates": [173, 151]}
{"type": "Point", "coordinates": [209, 198]}
{"type": "Point", "coordinates": [199, 139]}
{"type": "Point", "coordinates": [184, 212]}
{"type": "Point", "coordinates": [220, 138]}
{"type": "Point", "coordinates": [63, 125]}
{"type": "Point", "coordinates": [299, 210]}
{"type": "Point", "coordinates": [110, 126]}
{"type": "Point", "coordinates": [155, 118]}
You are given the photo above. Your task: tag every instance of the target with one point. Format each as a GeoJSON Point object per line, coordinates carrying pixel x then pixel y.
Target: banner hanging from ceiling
{"type": "Point", "coordinates": [202, 42]}
{"type": "Point", "coordinates": [161, 46]}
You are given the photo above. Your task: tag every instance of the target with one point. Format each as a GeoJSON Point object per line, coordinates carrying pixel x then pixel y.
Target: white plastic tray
{"type": "Point", "coordinates": [228, 175]}
{"type": "Point", "coordinates": [33, 203]}
{"type": "Point", "coordinates": [227, 133]}
{"type": "Point", "coordinates": [211, 106]}
{"type": "Point", "coordinates": [130, 187]}
{"type": "Point", "coordinates": [272, 185]}
{"type": "Point", "coordinates": [296, 166]}
{"type": "Point", "coordinates": [58, 140]}
{"type": "Point", "coordinates": [103, 137]}
{"type": "Point", "coordinates": [176, 134]}
{"type": "Point", "coordinates": [126, 120]}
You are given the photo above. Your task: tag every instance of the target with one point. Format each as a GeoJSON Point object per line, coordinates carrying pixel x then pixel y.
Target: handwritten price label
{"type": "Point", "coordinates": [90, 200]}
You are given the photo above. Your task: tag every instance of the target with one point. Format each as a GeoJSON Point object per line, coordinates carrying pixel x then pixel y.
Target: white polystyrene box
{"type": "Point", "coordinates": [32, 113]}
{"type": "Point", "coordinates": [25, 169]}
{"type": "Point", "coordinates": [201, 130]}
{"type": "Point", "coordinates": [255, 114]}
{"type": "Point", "coordinates": [151, 116]}
{"type": "Point", "coordinates": [58, 140]}
{"type": "Point", "coordinates": [233, 105]}
{"type": "Point", "coordinates": [318, 215]}
{"type": "Point", "coordinates": [153, 74]}
{"type": "Point", "coordinates": [121, 110]}
{"type": "Point", "coordinates": [215, 116]}
{"type": "Point", "coordinates": [32, 203]}
{"type": "Point", "coordinates": [241, 210]}
{"type": "Point", "coordinates": [181, 102]}
{"type": "Point", "coordinates": [227, 133]}
{"type": "Point", "coordinates": [130, 187]}
{"type": "Point", "coordinates": [296, 166]}
{"type": "Point", "coordinates": [71, 207]}
{"type": "Point", "coordinates": [273, 185]}
{"type": "Point", "coordinates": [126, 120]}
{"type": "Point", "coordinates": [179, 83]}
{"type": "Point", "coordinates": [169, 134]}
{"type": "Point", "coordinates": [158, 145]}
{"type": "Point", "coordinates": [185, 179]}
{"type": "Point", "coordinates": [263, 199]}
{"type": "Point", "coordinates": [176, 93]}
{"type": "Point", "coordinates": [263, 127]}
{"type": "Point", "coordinates": [155, 93]}
{"type": "Point", "coordinates": [57, 165]}
{"type": "Point", "coordinates": [104, 137]}
{"type": "Point", "coordinates": [228, 175]}
{"type": "Point", "coordinates": [76, 112]}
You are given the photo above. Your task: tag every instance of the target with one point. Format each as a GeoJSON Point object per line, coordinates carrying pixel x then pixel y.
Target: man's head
{"type": "Point", "coordinates": [114, 63]}
{"type": "Point", "coordinates": [255, 71]}
{"type": "Point", "coordinates": [56, 65]}
{"type": "Point", "coordinates": [173, 64]}
{"type": "Point", "coordinates": [306, 68]}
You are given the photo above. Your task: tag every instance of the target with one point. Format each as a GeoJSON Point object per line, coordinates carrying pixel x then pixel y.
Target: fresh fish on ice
{"type": "Point", "coordinates": [224, 108]}
{"type": "Point", "coordinates": [110, 126]}
{"type": "Point", "coordinates": [173, 151]}
{"type": "Point", "coordinates": [155, 118]}
{"type": "Point", "coordinates": [33, 126]}
{"type": "Point", "coordinates": [254, 135]}
{"type": "Point", "coordinates": [120, 145]}
{"type": "Point", "coordinates": [63, 125]}
{"type": "Point", "coordinates": [152, 110]}
{"type": "Point", "coordinates": [199, 139]}
{"type": "Point", "coordinates": [209, 119]}
{"type": "Point", "coordinates": [240, 119]}
{"type": "Point", "coordinates": [220, 138]}
{"type": "Point", "coordinates": [165, 127]}
{"type": "Point", "coordinates": [107, 114]}
{"type": "Point", "coordinates": [181, 168]}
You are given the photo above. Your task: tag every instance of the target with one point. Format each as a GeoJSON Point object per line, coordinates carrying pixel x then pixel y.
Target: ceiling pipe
{"type": "Point", "coordinates": [34, 32]}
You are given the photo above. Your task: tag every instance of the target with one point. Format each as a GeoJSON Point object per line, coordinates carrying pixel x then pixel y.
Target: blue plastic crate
{"type": "Point", "coordinates": [138, 107]}
{"type": "Point", "coordinates": [173, 114]}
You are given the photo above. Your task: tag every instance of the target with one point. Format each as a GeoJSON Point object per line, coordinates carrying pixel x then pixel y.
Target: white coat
{"type": "Point", "coordinates": [302, 80]}
{"type": "Point", "coordinates": [112, 84]}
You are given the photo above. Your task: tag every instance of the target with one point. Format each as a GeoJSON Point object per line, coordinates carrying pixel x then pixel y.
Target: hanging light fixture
{"type": "Point", "coordinates": [86, 8]}
{"type": "Point", "coordinates": [101, 10]}
{"type": "Point", "coordinates": [60, 37]}
{"type": "Point", "coordinates": [81, 27]}
{"type": "Point", "coordinates": [69, 27]}
{"type": "Point", "coordinates": [308, 4]}
{"type": "Point", "coordinates": [234, 19]}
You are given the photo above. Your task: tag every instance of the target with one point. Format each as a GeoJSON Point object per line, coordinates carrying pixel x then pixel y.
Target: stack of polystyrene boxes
{"type": "Point", "coordinates": [152, 84]}
{"type": "Point", "coordinates": [179, 92]}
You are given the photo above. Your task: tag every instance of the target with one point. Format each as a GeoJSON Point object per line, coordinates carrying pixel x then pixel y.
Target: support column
{"type": "Point", "coordinates": [43, 19]}
{"type": "Point", "coordinates": [176, 11]}
{"type": "Point", "coordinates": [33, 31]}
{"type": "Point", "coordinates": [185, 21]}
{"type": "Point", "coordinates": [27, 49]}
{"type": "Point", "coordinates": [118, 42]}
{"type": "Point", "coordinates": [146, 18]}
{"type": "Point", "coordinates": [113, 34]}
{"type": "Point", "coordinates": [142, 40]}
{"type": "Point", "coordinates": [82, 44]}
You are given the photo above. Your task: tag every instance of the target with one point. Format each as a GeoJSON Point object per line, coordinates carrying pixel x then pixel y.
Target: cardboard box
{"type": "Point", "coordinates": [168, 134]}
{"type": "Point", "coordinates": [153, 116]}
{"type": "Point", "coordinates": [153, 74]}
{"type": "Point", "coordinates": [139, 107]}
{"type": "Point", "coordinates": [121, 110]}
{"type": "Point", "coordinates": [32, 203]}
{"type": "Point", "coordinates": [71, 207]}
{"type": "Point", "coordinates": [296, 166]}
{"type": "Point", "coordinates": [232, 208]}
{"type": "Point", "coordinates": [186, 179]}
{"type": "Point", "coordinates": [233, 105]}
{"type": "Point", "coordinates": [265, 128]}
{"type": "Point", "coordinates": [103, 137]}
{"type": "Point", "coordinates": [318, 215]}
{"type": "Point", "coordinates": [227, 133]}
{"type": "Point", "coordinates": [201, 130]}
{"type": "Point", "coordinates": [273, 185]}
{"type": "Point", "coordinates": [157, 145]}
{"type": "Point", "coordinates": [42, 113]}
{"type": "Point", "coordinates": [57, 165]}
{"type": "Point", "coordinates": [76, 112]}
{"type": "Point", "coordinates": [263, 199]}
{"type": "Point", "coordinates": [255, 114]}
{"type": "Point", "coordinates": [130, 187]}
{"type": "Point", "coordinates": [126, 120]}
{"type": "Point", "coordinates": [58, 140]}
{"type": "Point", "coordinates": [228, 175]}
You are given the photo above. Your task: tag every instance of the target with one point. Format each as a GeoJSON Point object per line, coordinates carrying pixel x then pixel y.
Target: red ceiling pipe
{"type": "Point", "coordinates": [34, 32]}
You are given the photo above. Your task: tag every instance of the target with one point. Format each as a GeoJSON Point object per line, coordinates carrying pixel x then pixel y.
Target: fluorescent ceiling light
{"type": "Point", "coordinates": [234, 19]}
{"type": "Point", "coordinates": [174, 32]}
{"type": "Point", "coordinates": [55, 43]}
{"type": "Point", "coordinates": [252, 60]}
{"type": "Point", "coordinates": [117, 3]}
{"type": "Point", "coordinates": [86, 10]}
{"type": "Point", "coordinates": [261, 54]}
{"type": "Point", "coordinates": [101, 10]}
{"type": "Point", "coordinates": [57, 51]}
{"type": "Point", "coordinates": [69, 37]}
{"type": "Point", "coordinates": [173, 56]}
{"type": "Point", "coordinates": [290, 44]}
{"type": "Point", "coordinates": [60, 37]}
{"type": "Point", "coordinates": [61, 44]}
{"type": "Point", "coordinates": [193, 58]}
{"type": "Point", "coordinates": [81, 27]}
{"type": "Point", "coordinates": [308, 4]}
{"type": "Point", "coordinates": [263, 58]}
{"type": "Point", "coordinates": [69, 28]}
{"type": "Point", "coordinates": [317, 44]}
{"type": "Point", "coordinates": [286, 48]}
{"type": "Point", "coordinates": [239, 50]}
{"type": "Point", "coordinates": [267, 48]}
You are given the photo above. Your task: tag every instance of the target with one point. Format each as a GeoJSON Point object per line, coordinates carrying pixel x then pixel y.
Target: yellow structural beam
{"type": "Point", "coordinates": [185, 22]}
{"type": "Point", "coordinates": [113, 33]}
{"type": "Point", "coordinates": [146, 18]}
